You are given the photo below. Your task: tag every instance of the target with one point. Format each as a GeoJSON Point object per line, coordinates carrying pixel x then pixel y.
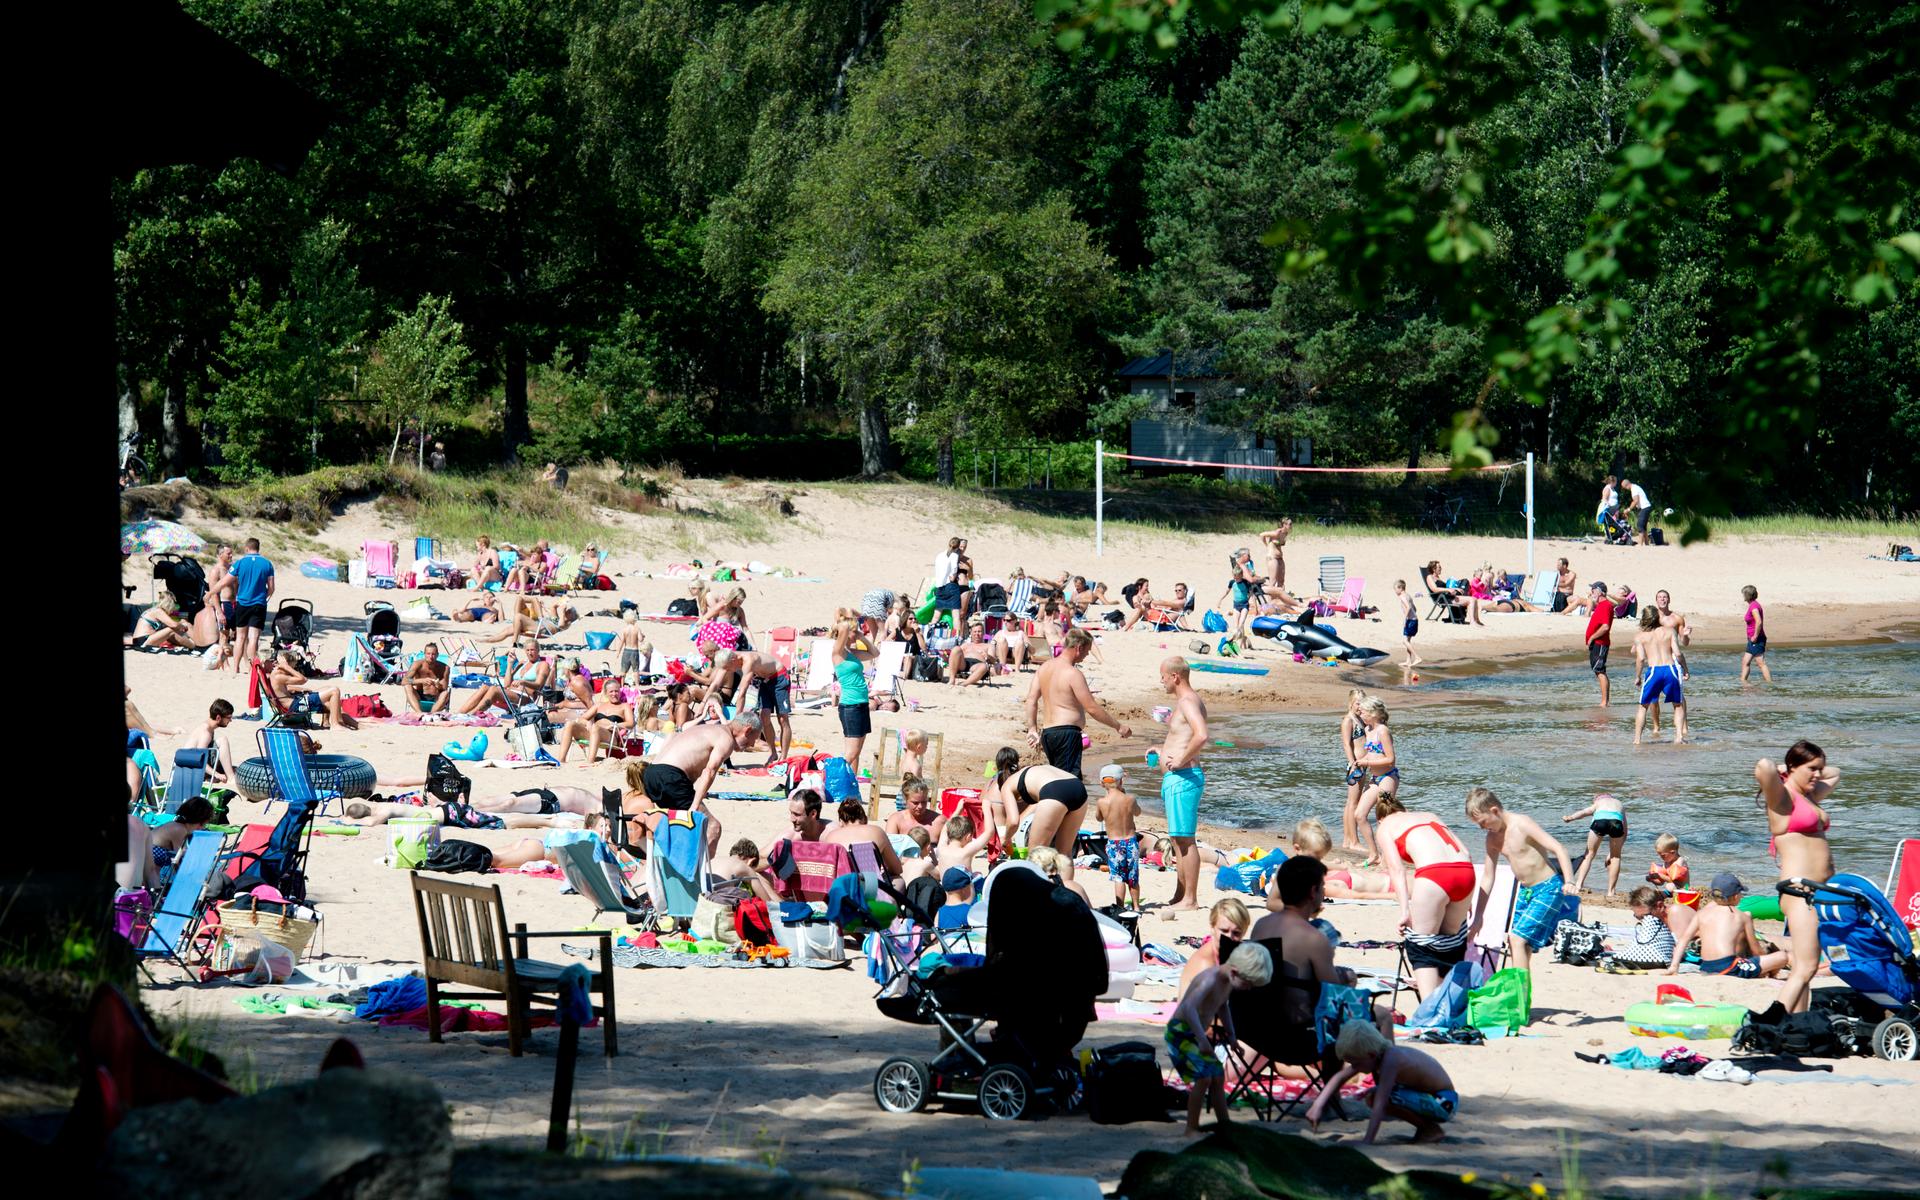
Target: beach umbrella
{"type": "Point", "coordinates": [159, 537]}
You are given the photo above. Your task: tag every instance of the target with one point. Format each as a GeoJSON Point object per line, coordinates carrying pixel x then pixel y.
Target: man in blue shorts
{"type": "Point", "coordinates": [1181, 786]}
{"type": "Point", "coordinates": [253, 587]}
{"type": "Point", "coordinates": [1655, 654]}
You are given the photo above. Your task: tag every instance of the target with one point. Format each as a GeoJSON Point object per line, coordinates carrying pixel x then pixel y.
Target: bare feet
{"type": "Point", "coordinates": [1429, 1133]}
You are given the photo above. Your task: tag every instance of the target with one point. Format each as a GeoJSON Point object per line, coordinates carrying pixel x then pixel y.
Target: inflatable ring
{"type": "Point", "coordinates": [1694, 1021]}
{"type": "Point", "coordinates": [254, 778]}
{"type": "Point", "coordinates": [1765, 906]}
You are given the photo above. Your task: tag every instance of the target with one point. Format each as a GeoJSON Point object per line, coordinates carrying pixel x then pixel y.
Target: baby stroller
{"type": "Point", "coordinates": [293, 625]}
{"type": "Point", "coordinates": [1615, 528]}
{"type": "Point", "coordinates": [183, 577]}
{"type": "Point", "coordinates": [383, 638]}
{"type": "Point", "coordinates": [1871, 951]}
{"type": "Point", "coordinates": [1044, 965]}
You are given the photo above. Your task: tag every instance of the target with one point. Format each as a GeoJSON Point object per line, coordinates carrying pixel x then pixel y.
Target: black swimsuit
{"type": "Point", "coordinates": [1070, 792]}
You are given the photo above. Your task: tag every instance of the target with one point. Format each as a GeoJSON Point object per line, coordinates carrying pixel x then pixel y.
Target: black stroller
{"type": "Point", "coordinates": [293, 625]}
{"type": "Point", "coordinates": [183, 577]}
{"type": "Point", "coordinates": [1036, 983]}
{"type": "Point", "coordinates": [382, 636]}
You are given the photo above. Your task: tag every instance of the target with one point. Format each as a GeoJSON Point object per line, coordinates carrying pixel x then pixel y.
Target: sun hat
{"type": "Point", "coordinates": [1727, 884]}
{"type": "Point", "coordinates": [1113, 771]}
{"type": "Point", "coordinates": [956, 879]}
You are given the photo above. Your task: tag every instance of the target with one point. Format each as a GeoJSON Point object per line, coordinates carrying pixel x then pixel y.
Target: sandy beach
{"type": "Point", "coordinates": [777, 1065]}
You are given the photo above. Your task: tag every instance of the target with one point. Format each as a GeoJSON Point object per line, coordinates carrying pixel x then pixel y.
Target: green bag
{"type": "Point", "coordinates": [1505, 1001]}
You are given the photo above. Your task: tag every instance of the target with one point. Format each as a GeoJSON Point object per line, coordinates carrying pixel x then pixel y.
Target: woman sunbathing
{"type": "Point", "coordinates": [161, 629]}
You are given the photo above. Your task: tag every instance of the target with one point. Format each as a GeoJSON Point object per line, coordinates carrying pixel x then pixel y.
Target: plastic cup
{"type": "Point", "coordinates": [1153, 758]}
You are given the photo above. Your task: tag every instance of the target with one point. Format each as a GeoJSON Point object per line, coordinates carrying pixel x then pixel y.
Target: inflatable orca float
{"type": "Point", "coordinates": [1319, 640]}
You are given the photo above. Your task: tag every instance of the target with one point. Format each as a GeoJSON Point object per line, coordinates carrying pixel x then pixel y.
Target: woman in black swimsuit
{"type": "Point", "coordinates": [1054, 796]}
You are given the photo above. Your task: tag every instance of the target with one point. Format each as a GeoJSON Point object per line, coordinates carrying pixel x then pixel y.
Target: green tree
{"type": "Point", "coordinates": [285, 359]}
{"type": "Point", "coordinates": [931, 263]}
{"type": "Point", "coordinates": [420, 360]}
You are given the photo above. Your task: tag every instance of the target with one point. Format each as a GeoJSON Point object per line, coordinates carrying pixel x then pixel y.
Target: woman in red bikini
{"type": "Point", "coordinates": [1791, 793]}
{"type": "Point", "coordinates": [1436, 886]}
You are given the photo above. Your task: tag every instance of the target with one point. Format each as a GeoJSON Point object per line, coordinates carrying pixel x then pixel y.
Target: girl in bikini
{"type": "Point", "coordinates": [1353, 731]}
{"type": "Point", "coordinates": [1436, 886]}
{"type": "Point", "coordinates": [1381, 767]}
{"type": "Point", "coordinates": [1792, 793]}
{"type": "Point", "coordinates": [1310, 838]}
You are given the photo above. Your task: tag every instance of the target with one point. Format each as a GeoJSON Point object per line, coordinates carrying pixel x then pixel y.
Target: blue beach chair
{"type": "Point", "coordinates": [189, 778]}
{"type": "Point", "coordinates": [295, 780]}
{"type": "Point", "coordinates": [177, 919]}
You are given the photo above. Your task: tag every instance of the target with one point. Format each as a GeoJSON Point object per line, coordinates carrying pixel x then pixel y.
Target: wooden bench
{"type": "Point", "coordinates": [464, 941]}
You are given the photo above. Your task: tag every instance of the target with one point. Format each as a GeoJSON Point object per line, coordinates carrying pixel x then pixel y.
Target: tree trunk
{"type": "Point", "coordinates": [946, 461]}
{"type": "Point", "coordinates": [515, 431]}
{"type": "Point", "coordinates": [178, 446]}
{"type": "Point", "coordinates": [129, 404]}
{"type": "Point", "coordinates": [876, 451]}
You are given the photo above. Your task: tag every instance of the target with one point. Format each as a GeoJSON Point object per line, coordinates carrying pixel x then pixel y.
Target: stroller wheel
{"type": "Point", "coordinates": [1005, 1092]}
{"type": "Point", "coordinates": [902, 1085]}
{"type": "Point", "coordinates": [1894, 1039]}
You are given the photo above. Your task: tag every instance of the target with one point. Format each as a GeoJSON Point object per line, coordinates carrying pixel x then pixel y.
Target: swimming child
{"type": "Point", "coordinates": [1756, 653]}
{"type": "Point", "coordinates": [1118, 812]}
{"type": "Point", "coordinates": [1537, 905]}
{"type": "Point", "coordinates": [1409, 621]}
{"type": "Point", "coordinates": [1669, 869]}
{"type": "Point", "coordinates": [1728, 943]}
{"type": "Point", "coordinates": [1408, 1085]}
{"type": "Point", "coordinates": [1311, 839]}
{"type": "Point", "coordinates": [1249, 966]}
{"type": "Point", "coordinates": [1609, 822]}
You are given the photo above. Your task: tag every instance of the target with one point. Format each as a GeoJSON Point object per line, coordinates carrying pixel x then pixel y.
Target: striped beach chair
{"type": "Point", "coordinates": [295, 781]}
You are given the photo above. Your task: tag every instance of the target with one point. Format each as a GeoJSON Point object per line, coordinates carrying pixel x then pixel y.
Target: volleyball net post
{"type": "Point", "coordinates": [1100, 496]}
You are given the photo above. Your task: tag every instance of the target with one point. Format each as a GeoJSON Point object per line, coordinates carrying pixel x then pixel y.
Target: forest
{"type": "Point", "coordinates": [742, 231]}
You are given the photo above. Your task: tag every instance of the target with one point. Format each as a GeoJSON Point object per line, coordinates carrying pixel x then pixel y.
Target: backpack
{"type": "Point", "coordinates": [683, 607]}
{"type": "Point", "coordinates": [1123, 1085]}
{"type": "Point", "coordinates": [1808, 1034]}
{"type": "Point", "coordinates": [444, 780]}
{"type": "Point", "coordinates": [929, 668]}
{"type": "Point", "coordinates": [1576, 944]}
{"type": "Point", "coordinates": [453, 857]}
{"type": "Point", "coordinates": [753, 922]}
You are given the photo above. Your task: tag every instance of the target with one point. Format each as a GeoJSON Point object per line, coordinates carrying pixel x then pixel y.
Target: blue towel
{"type": "Point", "coordinates": [575, 1005]}
{"type": "Point", "coordinates": [847, 901]}
{"type": "Point", "coordinates": [677, 840]}
{"type": "Point", "coordinates": [1446, 1008]}
{"type": "Point", "coordinates": [393, 996]}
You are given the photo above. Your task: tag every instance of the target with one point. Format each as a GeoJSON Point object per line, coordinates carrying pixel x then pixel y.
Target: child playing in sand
{"type": "Point", "coordinates": [1756, 653]}
{"type": "Point", "coordinates": [1537, 905]}
{"type": "Point", "coordinates": [1669, 870]}
{"type": "Point", "coordinates": [1728, 943]}
{"type": "Point", "coordinates": [1655, 939]}
{"type": "Point", "coordinates": [1118, 812]}
{"type": "Point", "coordinates": [1609, 822]}
{"type": "Point", "coordinates": [1311, 838]}
{"type": "Point", "coordinates": [1249, 966]}
{"type": "Point", "coordinates": [1408, 1085]}
{"type": "Point", "coordinates": [1409, 621]}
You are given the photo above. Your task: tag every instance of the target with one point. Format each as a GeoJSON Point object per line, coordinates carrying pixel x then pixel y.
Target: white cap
{"type": "Point", "coordinates": [1112, 771]}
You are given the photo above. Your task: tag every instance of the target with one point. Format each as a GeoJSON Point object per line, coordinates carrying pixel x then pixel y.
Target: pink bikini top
{"type": "Point", "coordinates": [1806, 817]}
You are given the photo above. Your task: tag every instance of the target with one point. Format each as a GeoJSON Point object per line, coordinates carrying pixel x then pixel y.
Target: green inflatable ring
{"type": "Point", "coordinates": [1686, 1020]}
{"type": "Point", "coordinates": [1765, 906]}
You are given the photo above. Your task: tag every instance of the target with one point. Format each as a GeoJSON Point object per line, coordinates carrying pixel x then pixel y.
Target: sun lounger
{"type": "Point", "coordinates": [173, 924]}
{"type": "Point", "coordinates": [1333, 575]}
{"type": "Point", "coordinates": [1020, 598]}
{"type": "Point", "coordinates": [1352, 596]}
{"type": "Point", "coordinates": [1543, 587]}
{"type": "Point", "coordinates": [1490, 947]}
{"type": "Point", "coordinates": [888, 667]}
{"type": "Point", "coordinates": [295, 781]}
{"type": "Point", "coordinates": [819, 666]}
{"type": "Point", "coordinates": [189, 778]}
{"type": "Point", "coordinates": [600, 881]}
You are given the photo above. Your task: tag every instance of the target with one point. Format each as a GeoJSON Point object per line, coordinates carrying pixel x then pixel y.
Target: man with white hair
{"type": "Point", "coordinates": [772, 686]}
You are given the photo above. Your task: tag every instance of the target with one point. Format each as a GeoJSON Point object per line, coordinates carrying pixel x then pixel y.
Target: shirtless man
{"type": "Point", "coordinates": [209, 735]}
{"type": "Point", "coordinates": [1069, 702]}
{"type": "Point", "coordinates": [970, 662]}
{"type": "Point", "coordinates": [1275, 540]}
{"type": "Point", "coordinates": [1563, 581]}
{"type": "Point", "coordinates": [1183, 782]}
{"type": "Point", "coordinates": [292, 689]}
{"type": "Point", "coordinates": [222, 586]}
{"type": "Point", "coordinates": [1304, 947]}
{"type": "Point", "coordinates": [918, 814]}
{"type": "Point", "coordinates": [425, 687]}
{"type": "Point", "coordinates": [1655, 648]}
{"type": "Point", "coordinates": [1682, 631]}
{"type": "Point", "coordinates": [773, 690]}
{"type": "Point", "coordinates": [803, 813]}
{"type": "Point", "coordinates": [1537, 904]}
{"type": "Point", "coordinates": [683, 770]}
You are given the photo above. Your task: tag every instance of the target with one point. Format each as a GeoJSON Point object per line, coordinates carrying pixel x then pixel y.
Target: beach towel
{"type": "Point", "coordinates": [679, 848]}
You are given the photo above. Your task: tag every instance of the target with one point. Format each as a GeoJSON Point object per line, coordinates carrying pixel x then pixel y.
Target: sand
{"type": "Point", "coordinates": [777, 1065]}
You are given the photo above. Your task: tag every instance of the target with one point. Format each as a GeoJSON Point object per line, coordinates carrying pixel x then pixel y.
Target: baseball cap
{"type": "Point", "coordinates": [1112, 771]}
{"type": "Point", "coordinates": [1726, 883]}
{"type": "Point", "coordinates": [1597, 584]}
{"type": "Point", "coordinates": [955, 879]}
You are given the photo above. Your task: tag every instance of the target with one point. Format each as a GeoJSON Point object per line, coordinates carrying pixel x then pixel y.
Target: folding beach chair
{"type": "Point", "coordinates": [1352, 596]}
{"type": "Point", "coordinates": [888, 668]}
{"type": "Point", "coordinates": [1269, 1040]}
{"type": "Point", "coordinates": [1020, 598]}
{"type": "Point", "coordinates": [592, 871]}
{"type": "Point", "coordinates": [189, 778]}
{"type": "Point", "coordinates": [295, 780]}
{"type": "Point", "coordinates": [819, 667]}
{"type": "Point", "coordinates": [153, 793]}
{"type": "Point", "coordinates": [967, 800]}
{"type": "Point", "coordinates": [174, 923]}
{"type": "Point", "coordinates": [1543, 588]}
{"type": "Point", "coordinates": [781, 643]}
{"type": "Point", "coordinates": [807, 869]}
{"type": "Point", "coordinates": [677, 863]}
{"type": "Point", "coordinates": [380, 559]}
{"type": "Point", "coordinates": [1333, 575]}
{"type": "Point", "coordinates": [1490, 947]}
{"type": "Point", "coordinates": [1442, 610]}
{"type": "Point", "coordinates": [281, 863]}
{"type": "Point", "coordinates": [252, 844]}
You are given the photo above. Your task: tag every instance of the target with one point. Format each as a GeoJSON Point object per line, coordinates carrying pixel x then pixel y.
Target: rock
{"type": "Point", "coordinates": [348, 1135]}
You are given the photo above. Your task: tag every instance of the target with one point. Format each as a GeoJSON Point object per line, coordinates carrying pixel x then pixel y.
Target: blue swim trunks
{"type": "Point", "coordinates": [1662, 682]}
{"type": "Point", "coordinates": [1180, 798]}
{"type": "Point", "coordinates": [1123, 859]}
{"type": "Point", "coordinates": [1536, 912]}
{"type": "Point", "coordinates": [1194, 1065]}
{"type": "Point", "coordinates": [1434, 1106]}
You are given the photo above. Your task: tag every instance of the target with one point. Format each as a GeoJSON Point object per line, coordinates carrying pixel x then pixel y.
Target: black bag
{"type": "Point", "coordinates": [1657, 536]}
{"type": "Point", "coordinates": [444, 780]}
{"type": "Point", "coordinates": [1123, 1085]}
{"type": "Point", "coordinates": [453, 857]}
{"type": "Point", "coordinates": [1809, 1034]}
{"type": "Point", "coordinates": [929, 668]}
{"type": "Point", "coordinates": [683, 607]}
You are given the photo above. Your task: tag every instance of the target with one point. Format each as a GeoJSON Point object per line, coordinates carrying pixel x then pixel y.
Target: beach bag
{"type": "Point", "coordinates": [409, 842]}
{"type": "Point", "coordinates": [358, 707]}
{"type": "Point", "coordinates": [1809, 1034]}
{"type": "Point", "coordinates": [1123, 1085]}
{"type": "Point", "coordinates": [683, 607]}
{"type": "Point", "coordinates": [928, 668]}
{"type": "Point", "coordinates": [1200, 646]}
{"type": "Point", "coordinates": [1577, 945]}
{"type": "Point", "coordinates": [1213, 622]}
{"type": "Point", "coordinates": [454, 857]}
{"type": "Point", "coordinates": [752, 923]}
{"type": "Point", "coordinates": [132, 914]}
{"type": "Point", "coordinates": [1505, 1001]}
{"type": "Point", "coordinates": [837, 778]}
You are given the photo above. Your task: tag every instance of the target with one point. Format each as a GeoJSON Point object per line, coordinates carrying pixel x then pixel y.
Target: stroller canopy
{"type": "Point", "coordinates": [1045, 957]}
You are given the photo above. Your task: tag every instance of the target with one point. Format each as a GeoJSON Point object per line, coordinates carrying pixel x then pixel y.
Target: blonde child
{"type": "Point", "coordinates": [1249, 966]}
{"type": "Point", "coordinates": [1059, 868]}
{"type": "Point", "coordinates": [1609, 822]}
{"type": "Point", "coordinates": [1118, 812]}
{"type": "Point", "coordinates": [1353, 731]}
{"type": "Point", "coordinates": [1408, 1085]}
{"type": "Point", "coordinates": [1537, 903]}
{"type": "Point", "coordinates": [1409, 621]}
{"type": "Point", "coordinates": [634, 650]}
{"type": "Point", "coordinates": [913, 753]}
{"type": "Point", "coordinates": [1669, 869]}
{"type": "Point", "coordinates": [913, 866]}
{"type": "Point", "coordinates": [1311, 840]}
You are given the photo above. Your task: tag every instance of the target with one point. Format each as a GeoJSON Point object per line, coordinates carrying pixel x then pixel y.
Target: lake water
{"type": "Point", "coordinates": [1533, 732]}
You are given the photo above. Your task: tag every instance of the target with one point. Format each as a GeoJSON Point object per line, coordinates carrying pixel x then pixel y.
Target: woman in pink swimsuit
{"type": "Point", "coordinates": [1791, 794]}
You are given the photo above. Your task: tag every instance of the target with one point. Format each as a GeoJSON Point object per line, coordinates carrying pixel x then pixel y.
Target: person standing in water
{"type": "Point", "coordinates": [1600, 636]}
{"type": "Point", "coordinates": [1792, 793]}
{"type": "Point", "coordinates": [1181, 786]}
{"type": "Point", "coordinates": [1654, 651]}
{"type": "Point", "coordinates": [1353, 732]}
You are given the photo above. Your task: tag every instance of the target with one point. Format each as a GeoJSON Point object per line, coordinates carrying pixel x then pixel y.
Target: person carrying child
{"type": "Point", "coordinates": [1118, 813]}
{"type": "Point", "coordinates": [1728, 943]}
{"type": "Point", "coordinates": [1408, 1085]}
{"type": "Point", "coordinates": [1537, 905]}
{"type": "Point", "coordinates": [1249, 966]}
{"type": "Point", "coordinates": [1609, 822]}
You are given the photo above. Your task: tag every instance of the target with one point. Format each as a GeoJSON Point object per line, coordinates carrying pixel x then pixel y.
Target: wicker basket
{"type": "Point", "coordinates": [243, 916]}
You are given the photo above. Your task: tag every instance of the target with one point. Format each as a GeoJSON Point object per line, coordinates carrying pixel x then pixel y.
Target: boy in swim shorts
{"type": "Point", "coordinates": [1249, 966]}
{"type": "Point", "coordinates": [1538, 904]}
{"type": "Point", "coordinates": [1728, 943]}
{"type": "Point", "coordinates": [1118, 812]}
{"type": "Point", "coordinates": [1409, 621]}
{"type": "Point", "coordinates": [1409, 1085]}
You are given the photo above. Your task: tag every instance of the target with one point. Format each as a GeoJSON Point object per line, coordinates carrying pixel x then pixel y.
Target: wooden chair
{"type": "Point", "coordinates": [886, 766]}
{"type": "Point", "coordinates": [464, 940]}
